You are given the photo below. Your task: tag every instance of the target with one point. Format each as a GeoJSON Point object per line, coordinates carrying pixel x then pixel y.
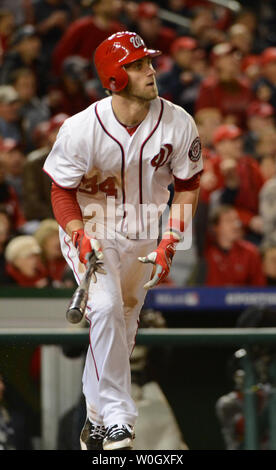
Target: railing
{"type": "Point", "coordinates": [146, 336]}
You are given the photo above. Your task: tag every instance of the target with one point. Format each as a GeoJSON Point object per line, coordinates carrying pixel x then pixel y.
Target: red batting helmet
{"type": "Point", "coordinates": [116, 51]}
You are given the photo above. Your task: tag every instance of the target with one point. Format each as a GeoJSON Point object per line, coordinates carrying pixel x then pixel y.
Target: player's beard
{"type": "Point", "coordinates": [147, 93]}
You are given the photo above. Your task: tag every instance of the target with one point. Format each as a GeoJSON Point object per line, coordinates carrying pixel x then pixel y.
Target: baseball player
{"type": "Point", "coordinates": [118, 156]}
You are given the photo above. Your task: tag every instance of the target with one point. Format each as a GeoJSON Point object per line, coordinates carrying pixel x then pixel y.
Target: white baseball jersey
{"type": "Point", "coordinates": [95, 153]}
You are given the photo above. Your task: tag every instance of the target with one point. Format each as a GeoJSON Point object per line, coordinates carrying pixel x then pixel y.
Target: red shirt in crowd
{"type": "Point", "coordinates": [56, 268]}
{"type": "Point", "coordinates": [26, 281]}
{"type": "Point", "coordinates": [251, 181]}
{"type": "Point", "coordinates": [232, 99]}
{"type": "Point", "coordinates": [82, 38]}
{"type": "Point", "coordinates": [240, 266]}
{"type": "Point", "coordinates": [3, 46]}
{"type": "Point", "coordinates": [12, 206]}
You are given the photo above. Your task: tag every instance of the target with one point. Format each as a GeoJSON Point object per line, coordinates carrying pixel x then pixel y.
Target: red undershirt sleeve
{"type": "Point", "coordinates": [65, 205]}
{"type": "Point", "coordinates": [187, 185]}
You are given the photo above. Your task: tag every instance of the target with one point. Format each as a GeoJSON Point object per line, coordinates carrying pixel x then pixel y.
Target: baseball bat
{"type": "Point", "coordinates": [77, 306]}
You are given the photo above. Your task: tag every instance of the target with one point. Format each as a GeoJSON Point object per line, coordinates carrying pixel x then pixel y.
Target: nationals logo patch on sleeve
{"type": "Point", "coordinates": [195, 150]}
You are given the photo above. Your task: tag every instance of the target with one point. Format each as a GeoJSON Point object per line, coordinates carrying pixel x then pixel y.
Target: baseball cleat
{"type": "Point", "coordinates": [92, 435]}
{"type": "Point", "coordinates": [118, 437]}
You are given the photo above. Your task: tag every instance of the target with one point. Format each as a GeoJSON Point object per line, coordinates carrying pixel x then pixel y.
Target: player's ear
{"type": "Point", "coordinates": [112, 83]}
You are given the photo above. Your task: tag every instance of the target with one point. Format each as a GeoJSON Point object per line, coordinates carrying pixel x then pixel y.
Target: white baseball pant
{"type": "Point", "coordinates": [113, 309]}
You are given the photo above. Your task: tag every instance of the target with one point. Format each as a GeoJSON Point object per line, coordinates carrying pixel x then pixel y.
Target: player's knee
{"type": "Point", "coordinates": [109, 308]}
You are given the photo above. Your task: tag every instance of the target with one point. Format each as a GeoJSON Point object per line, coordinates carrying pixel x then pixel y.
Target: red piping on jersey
{"type": "Point", "coordinates": [141, 160]}
{"type": "Point", "coordinates": [90, 329]}
{"type": "Point", "coordinates": [63, 187]}
{"type": "Point", "coordinates": [141, 153]}
{"type": "Point", "coordinates": [123, 158]}
{"type": "Point", "coordinates": [135, 338]}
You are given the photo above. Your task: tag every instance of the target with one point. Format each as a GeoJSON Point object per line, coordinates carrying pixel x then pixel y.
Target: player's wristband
{"type": "Point", "coordinates": [174, 230]}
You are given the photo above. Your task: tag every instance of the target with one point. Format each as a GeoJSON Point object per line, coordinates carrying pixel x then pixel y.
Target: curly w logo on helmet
{"type": "Point", "coordinates": [137, 41]}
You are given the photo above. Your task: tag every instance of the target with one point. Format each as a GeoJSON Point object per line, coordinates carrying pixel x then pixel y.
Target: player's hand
{"type": "Point", "coordinates": [162, 259]}
{"type": "Point", "coordinates": [86, 246]}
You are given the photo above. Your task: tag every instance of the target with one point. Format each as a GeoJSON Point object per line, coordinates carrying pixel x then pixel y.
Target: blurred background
{"type": "Point", "coordinates": [219, 64]}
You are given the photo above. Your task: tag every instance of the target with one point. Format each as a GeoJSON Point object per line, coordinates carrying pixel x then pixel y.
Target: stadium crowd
{"type": "Point", "coordinates": [217, 64]}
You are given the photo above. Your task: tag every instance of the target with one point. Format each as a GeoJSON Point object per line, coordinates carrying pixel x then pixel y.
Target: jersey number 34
{"type": "Point", "coordinates": [92, 186]}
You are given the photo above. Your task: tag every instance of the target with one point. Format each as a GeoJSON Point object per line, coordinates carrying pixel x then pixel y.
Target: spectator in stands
{"type": "Point", "coordinates": [238, 177]}
{"type": "Point", "coordinates": [180, 84]}
{"type": "Point", "coordinates": [9, 201]}
{"type": "Point", "coordinates": [36, 184]}
{"type": "Point", "coordinates": [266, 143]}
{"type": "Point", "coordinates": [10, 126]}
{"type": "Point", "coordinates": [33, 110]}
{"type": "Point", "coordinates": [47, 236]}
{"type": "Point", "coordinates": [266, 152]}
{"type": "Point", "coordinates": [51, 18]}
{"type": "Point", "coordinates": [204, 28]}
{"type": "Point", "coordinates": [260, 117]}
{"type": "Point", "coordinates": [155, 35]}
{"type": "Point", "coordinates": [230, 260]}
{"type": "Point", "coordinates": [127, 13]}
{"type": "Point", "coordinates": [85, 34]}
{"type": "Point", "coordinates": [7, 25]}
{"type": "Point", "coordinates": [248, 17]}
{"type": "Point", "coordinates": [241, 38]}
{"type": "Point", "coordinates": [201, 65]}
{"type": "Point", "coordinates": [23, 262]}
{"type": "Point", "coordinates": [269, 264]}
{"type": "Point", "coordinates": [179, 7]}
{"type": "Point", "coordinates": [71, 95]}
{"type": "Point", "coordinates": [227, 90]}
{"type": "Point", "coordinates": [25, 51]}
{"type": "Point", "coordinates": [5, 234]}
{"type": "Point", "coordinates": [21, 9]}
{"type": "Point", "coordinates": [251, 67]}
{"type": "Point", "coordinates": [268, 211]}
{"type": "Point", "coordinates": [40, 135]}
{"type": "Point", "coordinates": [268, 168]}
{"type": "Point", "coordinates": [266, 21]}
{"type": "Point", "coordinates": [265, 87]}
{"type": "Point", "coordinates": [207, 120]}
{"type": "Point", "coordinates": [12, 159]}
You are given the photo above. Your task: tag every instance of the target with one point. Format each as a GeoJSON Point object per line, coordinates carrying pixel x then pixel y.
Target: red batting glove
{"type": "Point", "coordinates": [86, 246]}
{"type": "Point", "coordinates": [162, 258]}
